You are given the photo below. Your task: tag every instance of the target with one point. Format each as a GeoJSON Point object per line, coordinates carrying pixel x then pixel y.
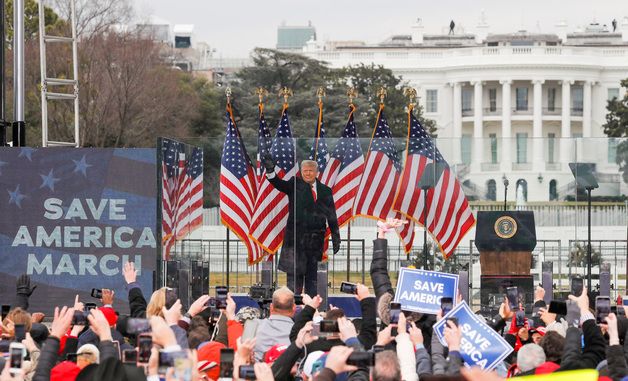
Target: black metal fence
{"type": "Point", "coordinates": [196, 266]}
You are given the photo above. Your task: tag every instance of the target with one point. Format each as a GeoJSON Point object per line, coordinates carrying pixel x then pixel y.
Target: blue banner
{"type": "Point", "coordinates": [70, 219]}
{"type": "Point", "coordinates": [480, 345]}
{"type": "Point", "coordinates": [421, 291]}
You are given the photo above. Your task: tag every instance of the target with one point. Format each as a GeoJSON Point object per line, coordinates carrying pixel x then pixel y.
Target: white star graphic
{"type": "Point", "coordinates": [16, 197]}
{"type": "Point", "coordinates": [81, 166]}
{"type": "Point", "coordinates": [49, 180]}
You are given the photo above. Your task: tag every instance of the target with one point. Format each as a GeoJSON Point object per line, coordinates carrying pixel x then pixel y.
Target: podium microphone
{"type": "Point", "coordinates": [505, 180]}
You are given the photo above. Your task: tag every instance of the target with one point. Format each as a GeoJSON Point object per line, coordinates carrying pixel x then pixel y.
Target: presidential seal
{"type": "Point", "coordinates": [505, 227]}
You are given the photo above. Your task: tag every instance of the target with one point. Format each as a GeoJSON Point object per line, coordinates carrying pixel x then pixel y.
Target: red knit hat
{"type": "Point", "coordinates": [110, 315]}
{"type": "Point", "coordinates": [274, 352]}
{"type": "Point", "coordinates": [210, 353]}
{"type": "Point", "coordinates": [64, 371]}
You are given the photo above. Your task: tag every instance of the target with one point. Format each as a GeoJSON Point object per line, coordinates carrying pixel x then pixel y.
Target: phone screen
{"type": "Point", "coordinates": [512, 293]}
{"type": "Point", "coordinates": [144, 346]}
{"type": "Point", "coordinates": [5, 310]}
{"type": "Point", "coordinates": [129, 356]}
{"type": "Point", "coordinates": [576, 286]}
{"type": "Point", "coordinates": [602, 308]}
{"type": "Point", "coordinates": [558, 307]}
{"type": "Point", "coordinates": [16, 357]}
{"type": "Point", "coordinates": [395, 310]}
{"type": "Point", "coordinates": [348, 288]}
{"type": "Point", "coordinates": [20, 333]}
{"type": "Point", "coordinates": [221, 297]}
{"type": "Point", "coordinates": [226, 362]}
{"type": "Point", "coordinates": [96, 293]}
{"type": "Point", "coordinates": [446, 304]}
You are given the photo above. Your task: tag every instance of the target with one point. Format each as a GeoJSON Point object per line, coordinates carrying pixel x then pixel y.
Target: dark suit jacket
{"type": "Point", "coordinates": [307, 220]}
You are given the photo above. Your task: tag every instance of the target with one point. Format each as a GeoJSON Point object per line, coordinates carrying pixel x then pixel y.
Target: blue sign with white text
{"type": "Point", "coordinates": [480, 345]}
{"type": "Point", "coordinates": [421, 291]}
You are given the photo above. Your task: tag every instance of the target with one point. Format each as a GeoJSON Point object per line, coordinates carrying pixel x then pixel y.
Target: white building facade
{"type": "Point", "coordinates": [520, 106]}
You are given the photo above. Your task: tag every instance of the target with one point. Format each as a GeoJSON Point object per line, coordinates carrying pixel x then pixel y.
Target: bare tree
{"type": "Point", "coordinates": [95, 16]}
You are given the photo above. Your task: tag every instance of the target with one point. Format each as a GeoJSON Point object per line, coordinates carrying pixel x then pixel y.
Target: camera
{"type": "Point", "coordinates": [246, 372]}
{"type": "Point", "coordinates": [348, 288]}
{"type": "Point", "coordinates": [298, 300]}
{"type": "Point", "coordinates": [361, 359]}
{"type": "Point", "coordinates": [577, 285]}
{"type": "Point", "coordinates": [602, 308]}
{"type": "Point", "coordinates": [512, 294]}
{"type": "Point", "coordinates": [96, 293]}
{"type": "Point", "coordinates": [520, 318]}
{"type": "Point", "coordinates": [446, 304]}
{"type": "Point", "coordinates": [226, 362]}
{"type": "Point", "coordinates": [221, 297]}
{"type": "Point", "coordinates": [260, 292]}
{"type": "Point", "coordinates": [395, 311]}
{"type": "Point", "coordinates": [144, 346]}
{"type": "Point", "coordinates": [80, 318]}
{"type": "Point", "coordinates": [166, 360]}
{"type": "Point", "coordinates": [136, 326]}
{"type": "Point", "coordinates": [16, 356]}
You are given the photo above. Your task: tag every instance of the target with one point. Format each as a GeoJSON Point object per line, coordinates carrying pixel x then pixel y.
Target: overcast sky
{"type": "Point", "coordinates": [234, 27]}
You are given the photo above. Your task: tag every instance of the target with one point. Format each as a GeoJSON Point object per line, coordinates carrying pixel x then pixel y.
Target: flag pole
{"type": "Point", "coordinates": [228, 94]}
{"type": "Point", "coordinates": [412, 95]}
{"type": "Point", "coordinates": [351, 93]}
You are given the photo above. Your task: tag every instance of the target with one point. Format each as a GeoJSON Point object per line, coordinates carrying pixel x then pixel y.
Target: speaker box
{"type": "Point", "coordinates": [184, 287]}
{"type": "Point", "coordinates": [321, 285]}
{"type": "Point", "coordinates": [605, 279]}
{"type": "Point", "coordinates": [547, 280]}
{"type": "Point", "coordinates": [463, 285]}
{"type": "Point", "coordinates": [267, 273]}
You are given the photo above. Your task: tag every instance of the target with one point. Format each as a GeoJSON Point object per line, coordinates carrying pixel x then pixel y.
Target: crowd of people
{"type": "Point", "coordinates": [159, 339]}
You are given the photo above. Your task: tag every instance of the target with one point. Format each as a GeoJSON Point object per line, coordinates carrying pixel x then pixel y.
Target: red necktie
{"type": "Point", "coordinates": [313, 193]}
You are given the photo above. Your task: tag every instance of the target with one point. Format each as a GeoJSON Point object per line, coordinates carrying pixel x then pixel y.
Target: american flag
{"type": "Point", "coordinates": [271, 206]}
{"type": "Point", "coordinates": [238, 189]}
{"type": "Point", "coordinates": [344, 169]}
{"type": "Point", "coordinates": [319, 151]}
{"type": "Point", "coordinates": [263, 144]}
{"type": "Point", "coordinates": [449, 216]}
{"type": "Point", "coordinates": [378, 184]}
{"type": "Point", "coordinates": [182, 193]}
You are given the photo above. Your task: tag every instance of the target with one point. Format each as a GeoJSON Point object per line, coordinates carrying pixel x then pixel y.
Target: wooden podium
{"type": "Point", "coordinates": [505, 241]}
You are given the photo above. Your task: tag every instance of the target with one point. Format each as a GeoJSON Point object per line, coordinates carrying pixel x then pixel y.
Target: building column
{"type": "Point", "coordinates": [457, 125]}
{"type": "Point", "coordinates": [565, 128]}
{"type": "Point", "coordinates": [586, 109]}
{"type": "Point", "coordinates": [538, 162]}
{"type": "Point", "coordinates": [506, 162]}
{"type": "Point", "coordinates": [478, 127]}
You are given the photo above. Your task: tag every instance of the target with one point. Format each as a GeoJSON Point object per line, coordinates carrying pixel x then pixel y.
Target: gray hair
{"type": "Point", "coordinates": [311, 163]}
{"type": "Point", "coordinates": [283, 299]}
{"type": "Point", "coordinates": [387, 367]}
{"type": "Point", "coordinates": [530, 356]}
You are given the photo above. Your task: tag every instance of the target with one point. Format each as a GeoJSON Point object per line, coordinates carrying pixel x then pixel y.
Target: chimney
{"type": "Point", "coordinates": [561, 30]}
{"type": "Point", "coordinates": [417, 32]}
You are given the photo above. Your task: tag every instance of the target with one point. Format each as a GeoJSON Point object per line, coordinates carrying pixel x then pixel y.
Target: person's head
{"type": "Point", "coordinates": [19, 316]}
{"type": "Point", "coordinates": [386, 367]}
{"type": "Point", "coordinates": [198, 335]}
{"type": "Point", "coordinates": [164, 297]}
{"type": "Point", "coordinates": [529, 357]}
{"type": "Point", "coordinates": [537, 334]}
{"type": "Point", "coordinates": [283, 302]}
{"type": "Point", "coordinates": [553, 344]}
{"type": "Point", "coordinates": [87, 354]}
{"type": "Point", "coordinates": [309, 171]}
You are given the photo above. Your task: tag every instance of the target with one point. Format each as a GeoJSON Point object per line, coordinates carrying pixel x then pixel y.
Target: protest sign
{"type": "Point", "coordinates": [421, 291]}
{"type": "Point", "coordinates": [480, 345]}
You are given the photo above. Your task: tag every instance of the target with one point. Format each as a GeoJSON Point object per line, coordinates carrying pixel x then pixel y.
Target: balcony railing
{"type": "Point", "coordinates": [521, 166]}
{"type": "Point", "coordinates": [490, 167]}
{"type": "Point", "coordinates": [552, 110]}
{"type": "Point", "coordinates": [552, 166]}
{"type": "Point", "coordinates": [576, 111]}
{"type": "Point", "coordinates": [492, 111]}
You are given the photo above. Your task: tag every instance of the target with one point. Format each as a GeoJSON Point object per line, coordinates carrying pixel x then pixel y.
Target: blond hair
{"type": "Point", "coordinates": [156, 303]}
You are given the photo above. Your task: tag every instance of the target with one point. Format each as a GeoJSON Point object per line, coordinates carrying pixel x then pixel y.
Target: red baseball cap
{"type": "Point", "coordinates": [110, 315]}
{"type": "Point", "coordinates": [274, 352]}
